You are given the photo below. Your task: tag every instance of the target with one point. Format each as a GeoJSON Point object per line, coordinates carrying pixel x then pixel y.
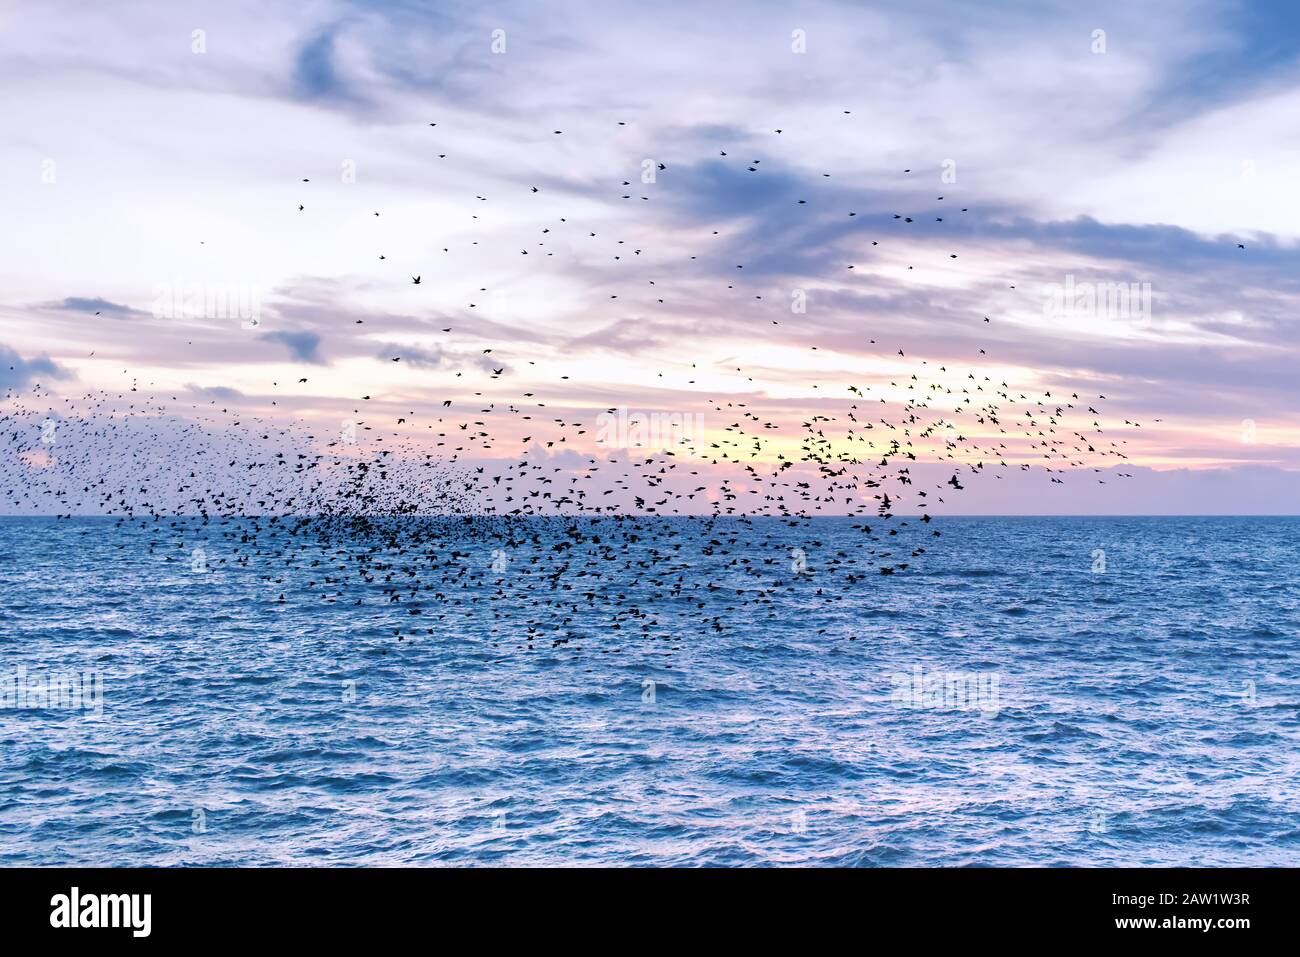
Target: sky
{"type": "Point", "coordinates": [153, 150]}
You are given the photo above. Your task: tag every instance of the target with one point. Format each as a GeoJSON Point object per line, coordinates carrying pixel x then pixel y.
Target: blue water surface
{"type": "Point", "coordinates": [1147, 704]}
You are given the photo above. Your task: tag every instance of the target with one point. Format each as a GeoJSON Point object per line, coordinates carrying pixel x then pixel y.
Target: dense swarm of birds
{"type": "Point", "coordinates": [439, 514]}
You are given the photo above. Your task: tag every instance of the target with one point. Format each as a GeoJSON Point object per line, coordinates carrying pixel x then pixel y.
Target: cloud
{"type": "Point", "coordinates": [1126, 166]}
{"type": "Point", "coordinates": [435, 357]}
{"type": "Point", "coordinates": [216, 393]}
{"type": "Point", "coordinates": [626, 335]}
{"type": "Point", "coordinates": [17, 373]}
{"type": "Point", "coordinates": [1236, 490]}
{"type": "Point", "coordinates": [93, 305]}
{"type": "Point", "coordinates": [316, 73]}
{"type": "Point", "coordinates": [302, 345]}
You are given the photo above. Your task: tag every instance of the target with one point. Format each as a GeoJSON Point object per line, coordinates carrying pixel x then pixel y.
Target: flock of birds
{"type": "Point", "coordinates": [466, 507]}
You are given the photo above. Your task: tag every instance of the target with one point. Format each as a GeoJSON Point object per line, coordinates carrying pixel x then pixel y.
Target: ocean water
{"type": "Point", "coordinates": [1091, 691]}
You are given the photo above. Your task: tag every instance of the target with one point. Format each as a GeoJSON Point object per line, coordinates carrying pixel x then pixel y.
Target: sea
{"type": "Point", "coordinates": [1027, 692]}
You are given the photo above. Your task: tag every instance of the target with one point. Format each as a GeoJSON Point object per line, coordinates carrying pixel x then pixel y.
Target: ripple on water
{"type": "Point", "coordinates": [306, 734]}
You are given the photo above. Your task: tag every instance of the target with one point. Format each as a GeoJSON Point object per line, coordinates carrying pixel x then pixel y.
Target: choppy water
{"type": "Point", "coordinates": [1144, 714]}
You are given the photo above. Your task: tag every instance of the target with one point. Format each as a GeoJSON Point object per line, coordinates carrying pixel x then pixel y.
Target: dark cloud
{"type": "Point", "coordinates": [217, 393]}
{"type": "Point", "coordinates": [302, 345]}
{"type": "Point", "coordinates": [316, 74]}
{"type": "Point", "coordinates": [435, 357]}
{"type": "Point", "coordinates": [93, 305]}
{"type": "Point", "coordinates": [17, 373]}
